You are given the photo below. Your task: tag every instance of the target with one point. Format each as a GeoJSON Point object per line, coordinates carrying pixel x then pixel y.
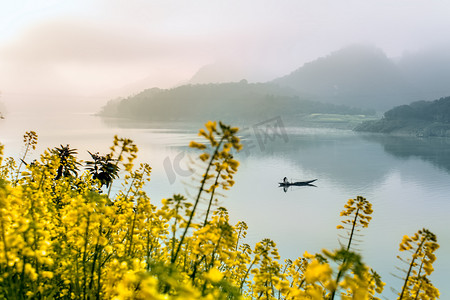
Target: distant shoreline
{"type": "Point", "coordinates": [421, 119]}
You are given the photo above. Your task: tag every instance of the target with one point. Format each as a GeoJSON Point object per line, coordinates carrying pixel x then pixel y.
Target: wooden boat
{"type": "Point", "coordinates": [286, 183]}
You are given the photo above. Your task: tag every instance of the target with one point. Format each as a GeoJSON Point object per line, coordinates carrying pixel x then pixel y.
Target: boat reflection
{"type": "Point", "coordinates": [286, 184]}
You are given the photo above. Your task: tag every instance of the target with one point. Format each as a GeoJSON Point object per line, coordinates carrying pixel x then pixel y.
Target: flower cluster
{"type": "Point", "coordinates": [62, 236]}
{"type": "Point", "coordinates": [417, 284]}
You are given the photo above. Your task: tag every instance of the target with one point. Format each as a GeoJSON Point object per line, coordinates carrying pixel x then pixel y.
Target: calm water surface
{"type": "Point", "coordinates": [406, 179]}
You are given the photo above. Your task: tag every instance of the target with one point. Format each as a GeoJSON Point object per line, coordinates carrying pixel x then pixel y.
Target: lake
{"type": "Point", "coordinates": [406, 179]}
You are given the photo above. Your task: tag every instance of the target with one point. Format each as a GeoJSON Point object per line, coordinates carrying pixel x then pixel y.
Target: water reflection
{"type": "Point", "coordinates": [406, 179]}
{"type": "Point", "coordinates": [433, 150]}
{"type": "Point", "coordinates": [338, 156]}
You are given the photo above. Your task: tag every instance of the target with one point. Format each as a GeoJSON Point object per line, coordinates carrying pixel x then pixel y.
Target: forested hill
{"type": "Point", "coordinates": [363, 76]}
{"type": "Point", "coordinates": [225, 101]}
{"type": "Point", "coordinates": [422, 118]}
{"type": "Point", "coordinates": [358, 75]}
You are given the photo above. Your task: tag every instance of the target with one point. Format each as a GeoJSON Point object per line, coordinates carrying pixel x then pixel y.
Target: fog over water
{"type": "Point", "coordinates": [59, 54]}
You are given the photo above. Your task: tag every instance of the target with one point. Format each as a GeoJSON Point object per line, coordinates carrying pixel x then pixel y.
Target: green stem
{"type": "Point", "coordinates": [86, 235]}
{"type": "Point", "coordinates": [195, 267]}
{"type": "Point", "coordinates": [97, 252]}
{"type": "Point", "coordinates": [148, 250]}
{"type": "Point", "coordinates": [129, 189]}
{"type": "Point", "coordinates": [246, 274]}
{"type": "Point", "coordinates": [421, 281]}
{"type": "Point", "coordinates": [353, 229]}
{"type": "Point", "coordinates": [340, 273]}
{"type": "Point", "coordinates": [238, 237]}
{"type": "Point", "coordinates": [191, 216]}
{"type": "Point", "coordinates": [214, 251]}
{"type": "Point", "coordinates": [21, 161]}
{"type": "Point", "coordinates": [22, 279]}
{"type": "Point", "coordinates": [42, 180]}
{"type": "Point", "coordinates": [132, 231]}
{"type": "Point", "coordinates": [174, 230]}
{"type": "Point", "coordinates": [117, 163]}
{"type": "Point", "coordinates": [35, 236]}
{"type": "Point", "coordinates": [411, 265]}
{"type": "Point", "coordinates": [211, 198]}
{"type": "Point", "coordinates": [5, 247]}
{"type": "Point", "coordinates": [99, 275]}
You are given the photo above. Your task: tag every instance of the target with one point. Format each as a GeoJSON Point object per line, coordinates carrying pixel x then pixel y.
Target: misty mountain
{"type": "Point", "coordinates": [217, 73]}
{"type": "Point", "coordinates": [230, 71]}
{"type": "Point", "coordinates": [427, 72]}
{"type": "Point", "coordinates": [235, 101]}
{"type": "Point", "coordinates": [421, 118]}
{"type": "Point", "coordinates": [360, 76]}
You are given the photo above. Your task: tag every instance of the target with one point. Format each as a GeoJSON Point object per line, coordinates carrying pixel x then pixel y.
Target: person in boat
{"type": "Point", "coordinates": [298, 183]}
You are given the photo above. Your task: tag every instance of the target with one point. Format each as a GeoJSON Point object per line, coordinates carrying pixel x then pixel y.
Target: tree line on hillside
{"type": "Point", "coordinates": [433, 111]}
{"type": "Point", "coordinates": [227, 101]}
{"type": "Point", "coordinates": [356, 75]}
{"type": "Point", "coordinates": [422, 118]}
{"type": "Point", "coordinates": [364, 76]}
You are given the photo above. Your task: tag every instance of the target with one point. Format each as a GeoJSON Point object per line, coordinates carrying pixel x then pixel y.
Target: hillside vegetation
{"type": "Point", "coordinates": [357, 76]}
{"type": "Point", "coordinates": [363, 76]}
{"type": "Point", "coordinates": [235, 101]}
{"type": "Point", "coordinates": [422, 118]}
{"type": "Point", "coordinates": [360, 76]}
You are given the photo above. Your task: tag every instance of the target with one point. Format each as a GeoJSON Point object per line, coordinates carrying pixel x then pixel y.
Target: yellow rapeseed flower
{"type": "Point", "coordinates": [214, 275]}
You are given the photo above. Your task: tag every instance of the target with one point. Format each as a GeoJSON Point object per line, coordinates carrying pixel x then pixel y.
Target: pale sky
{"type": "Point", "coordinates": [88, 51]}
